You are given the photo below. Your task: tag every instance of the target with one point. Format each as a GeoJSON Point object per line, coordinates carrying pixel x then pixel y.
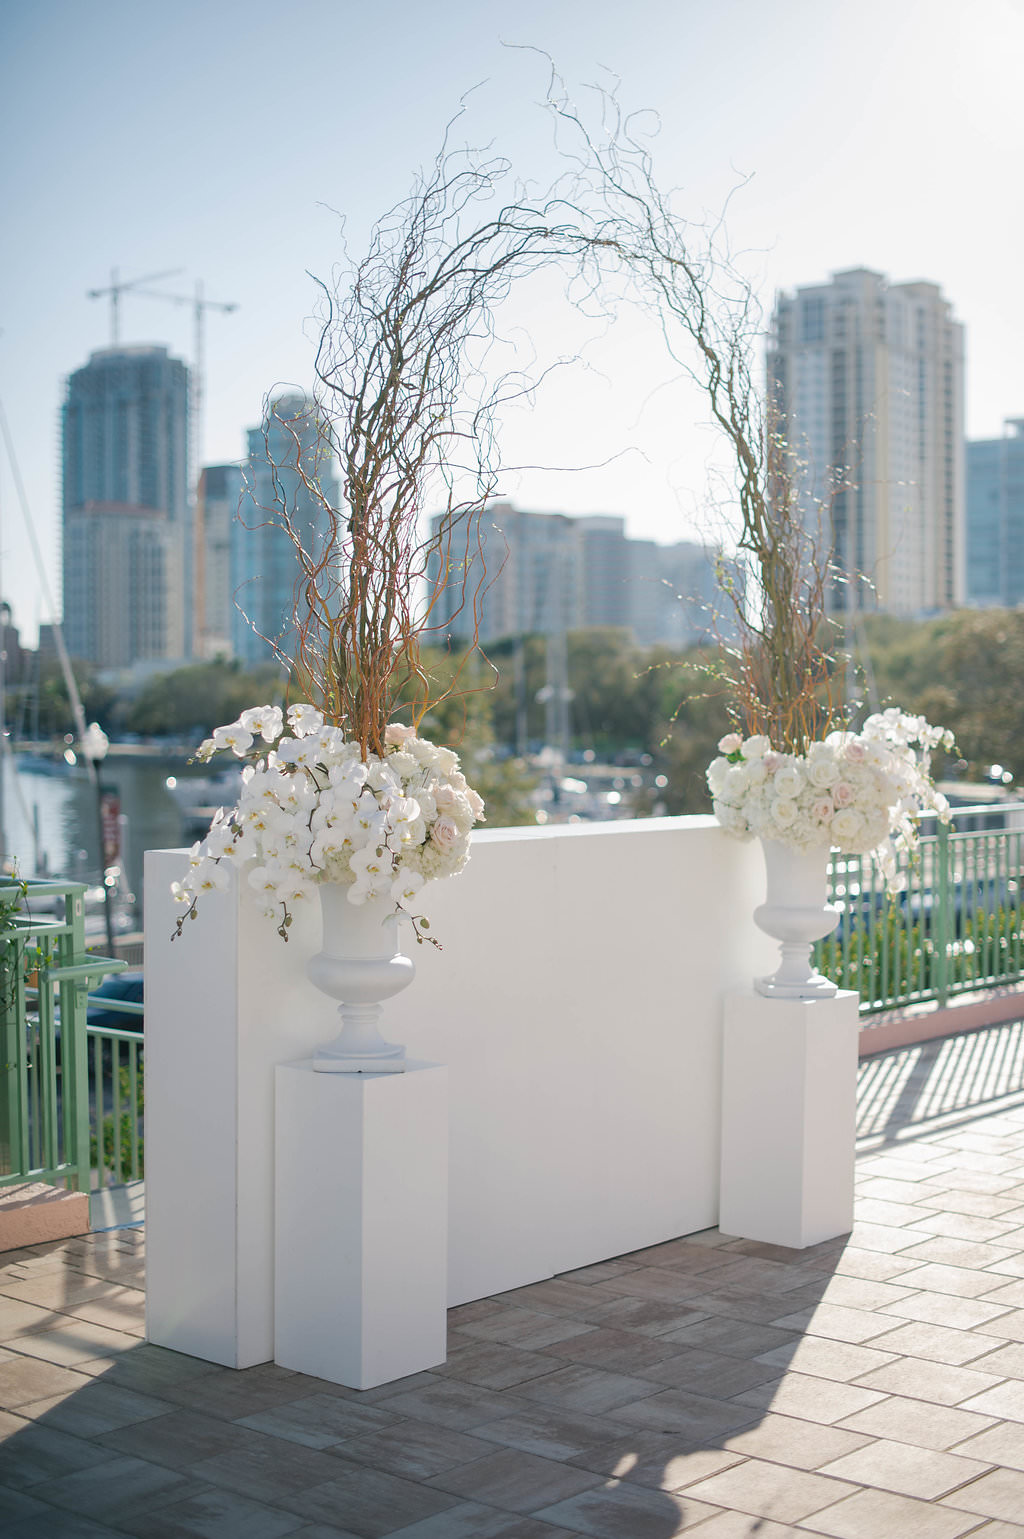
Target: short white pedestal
{"type": "Point", "coordinates": [789, 1105]}
{"type": "Point", "coordinates": [361, 1203]}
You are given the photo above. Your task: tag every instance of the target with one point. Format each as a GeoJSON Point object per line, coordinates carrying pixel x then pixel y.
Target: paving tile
{"type": "Point", "coordinates": [999, 1494]}
{"type": "Point", "coordinates": [232, 1392]}
{"type": "Point", "coordinates": [965, 1226]}
{"type": "Point", "coordinates": [698, 1417]}
{"type": "Point", "coordinates": [1005, 1400]}
{"type": "Point", "coordinates": [950, 1279]}
{"type": "Point", "coordinates": [616, 1350]}
{"type": "Point", "coordinates": [802, 1445]}
{"type": "Point", "coordinates": [977, 1204]}
{"type": "Point", "coordinates": [920, 1472]}
{"type": "Point", "coordinates": [950, 1309]}
{"type": "Point", "coordinates": [889, 1189]}
{"type": "Point", "coordinates": [601, 1271]}
{"type": "Point", "coordinates": [271, 1470]}
{"type": "Point", "coordinates": [17, 1319]}
{"type": "Point", "coordinates": [917, 1422]}
{"type": "Point", "coordinates": [950, 1252]}
{"type": "Point", "coordinates": [32, 1453]}
{"type": "Point", "coordinates": [470, 1520]}
{"type": "Point", "coordinates": [874, 1514]}
{"type": "Point", "coordinates": [880, 1237]}
{"type": "Point", "coordinates": [520, 1481]}
{"type": "Point", "coordinates": [1002, 1444]}
{"type": "Point", "coordinates": [647, 1317]}
{"type": "Point", "coordinates": [660, 1459]}
{"type": "Point", "coordinates": [492, 1365]}
{"type": "Point", "coordinates": [24, 1380]}
{"type": "Point", "coordinates": [370, 1502]}
{"type": "Point", "coordinates": [451, 1404]}
{"type": "Point", "coordinates": [876, 1266]}
{"type": "Point", "coordinates": [825, 1359]}
{"type": "Point", "coordinates": [17, 1505]}
{"type": "Point", "coordinates": [939, 1343]}
{"type": "Point", "coordinates": [60, 1525]}
{"type": "Point", "coordinates": [414, 1449]}
{"type": "Point", "coordinates": [220, 1515]}
{"type": "Point", "coordinates": [742, 1525]}
{"type": "Point", "coordinates": [96, 1408]}
{"type": "Point", "coordinates": [117, 1487]}
{"type": "Point", "coordinates": [552, 1433]}
{"type": "Point", "coordinates": [179, 1439]}
{"type": "Point", "coordinates": [802, 1395]}
{"type": "Point", "coordinates": [709, 1373]}
{"type": "Point", "coordinates": [862, 1292]}
{"type": "Point", "coordinates": [59, 1288]}
{"type": "Point", "coordinates": [526, 1328]}
{"type": "Point", "coordinates": [318, 1421]}
{"type": "Point", "coordinates": [896, 1215]}
{"type": "Point", "coordinates": [581, 1388]}
{"type": "Point", "coordinates": [1010, 1293]}
{"type": "Point", "coordinates": [149, 1369]}
{"type": "Point", "coordinates": [661, 1283]}
{"type": "Point", "coordinates": [839, 1324]}
{"type": "Point", "coordinates": [770, 1491]}
{"type": "Point", "coordinates": [1007, 1326]}
{"type": "Point", "coordinates": [1007, 1359]}
{"type": "Point", "coordinates": [936, 1382]}
{"type": "Point", "coordinates": [621, 1511]}
{"type": "Point", "coordinates": [72, 1343]}
{"type": "Point", "coordinates": [557, 1296]}
{"type": "Point", "coordinates": [736, 1338]}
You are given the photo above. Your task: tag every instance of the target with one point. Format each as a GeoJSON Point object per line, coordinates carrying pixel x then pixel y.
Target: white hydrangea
{"type": "Point", "coordinates": [857, 792]}
{"type": "Point", "coordinates": [312, 811]}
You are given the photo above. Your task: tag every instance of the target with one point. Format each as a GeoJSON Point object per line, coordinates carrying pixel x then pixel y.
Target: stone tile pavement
{"type": "Point", "coordinates": [868, 1388]}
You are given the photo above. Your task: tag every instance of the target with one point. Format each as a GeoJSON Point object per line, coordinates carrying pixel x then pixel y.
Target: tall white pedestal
{"type": "Point", "coordinates": [789, 1105]}
{"type": "Point", "coordinates": [361, 1202]}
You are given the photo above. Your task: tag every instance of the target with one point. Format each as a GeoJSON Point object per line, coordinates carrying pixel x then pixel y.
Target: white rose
{"type": "Point", "coordinates": [784, 811]}
{"type": "Point", "coordinates": [730, 743]}
{"type": "Point", "coordinates": [755, 747]}
{"type": "Point", "coordinates": [847, 824]}
{"type": "Point", "coordinates": [822, 772]}
{"type": "Point", "coordinates": [788, 782]}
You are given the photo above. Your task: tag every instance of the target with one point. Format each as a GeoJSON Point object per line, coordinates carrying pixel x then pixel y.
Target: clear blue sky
{"type": "Point", "coordinates": [225, 138]}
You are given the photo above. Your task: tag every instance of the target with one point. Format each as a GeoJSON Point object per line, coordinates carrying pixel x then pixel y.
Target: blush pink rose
{"type": "Point", "coordinates": [444, 833]}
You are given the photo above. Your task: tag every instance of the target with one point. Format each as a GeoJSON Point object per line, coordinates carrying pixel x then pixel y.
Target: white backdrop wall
{"type": "Point", "coordinates": [577, 1003]}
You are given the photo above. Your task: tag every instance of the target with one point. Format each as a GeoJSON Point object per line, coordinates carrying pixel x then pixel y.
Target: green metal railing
{"type": "Point", "coordinates": [957, 925]}
{"type": "Point", "coordinates": [47, 1093]}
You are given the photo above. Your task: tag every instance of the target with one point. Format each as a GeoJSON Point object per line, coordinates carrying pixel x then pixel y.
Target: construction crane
{"type": "Point", "coordinates": [116, 288]}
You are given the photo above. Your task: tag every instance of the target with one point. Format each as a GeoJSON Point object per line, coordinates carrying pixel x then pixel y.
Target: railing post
{"type": "Point", "coordinates": [942, 917]}
{"type": "Point", "coordinates": [73, 1044]}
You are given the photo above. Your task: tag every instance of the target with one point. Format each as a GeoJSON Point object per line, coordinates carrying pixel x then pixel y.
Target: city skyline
{"type": "Point", "coordinates": [884, 138]}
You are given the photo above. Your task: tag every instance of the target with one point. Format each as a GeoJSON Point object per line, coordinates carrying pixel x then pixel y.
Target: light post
{"type": "Point", "coordinates": [93, 747]}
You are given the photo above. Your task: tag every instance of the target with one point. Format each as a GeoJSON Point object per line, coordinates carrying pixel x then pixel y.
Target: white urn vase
{"type": "Point", "coordinates": [796, 913]}
{"type": "Point", "coordinates": [361, 965]}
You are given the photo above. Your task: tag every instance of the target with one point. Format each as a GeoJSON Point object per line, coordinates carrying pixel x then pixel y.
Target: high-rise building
{"type": "Point", "coordinates": [868, 379]}
{"type": "Point", "coordinates": [288, 451]}
{"type": "Point", "coordinates": [127, 521]}
{"type": "Point", "coordinates": [995, 518]}
{"type": "Point", "coordinates": [217, 502]}
{"type": "Point", "coordinates": [546, 573]}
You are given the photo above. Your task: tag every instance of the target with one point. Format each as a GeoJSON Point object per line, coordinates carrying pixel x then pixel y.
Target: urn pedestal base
{"type": "Point", "coordinates": [789, 1118]}
{"type": "Point", "coordinates": [361, 1244]}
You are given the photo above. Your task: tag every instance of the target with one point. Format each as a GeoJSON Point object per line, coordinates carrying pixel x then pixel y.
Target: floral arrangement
{"type": "Point", "coordinates": [858, 792]}
{"type": "Point", "coordinates": [313, 809]}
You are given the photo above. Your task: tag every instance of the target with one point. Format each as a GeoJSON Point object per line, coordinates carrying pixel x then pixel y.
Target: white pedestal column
{"type": "Point", "coordinates": [361, 1198]}
{"type": "Point", "coordinates": [789, 1104]}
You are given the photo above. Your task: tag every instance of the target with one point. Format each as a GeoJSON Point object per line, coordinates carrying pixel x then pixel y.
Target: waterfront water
{"type": "Point", "coordinates": [63, 807]}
